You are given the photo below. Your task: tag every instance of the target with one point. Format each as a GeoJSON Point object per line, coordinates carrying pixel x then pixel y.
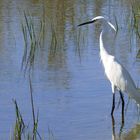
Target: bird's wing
{"type": "Point", "coordinates": [124, 80]}
{"type": "Point", "coordinates": [119, 76]}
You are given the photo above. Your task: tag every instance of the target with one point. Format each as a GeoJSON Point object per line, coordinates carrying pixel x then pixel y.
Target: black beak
{"type": "Point", "coordinates": [89, 22]}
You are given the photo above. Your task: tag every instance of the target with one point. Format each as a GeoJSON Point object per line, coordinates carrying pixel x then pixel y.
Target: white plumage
{"type": "Point", "coordinates": [116, 73]}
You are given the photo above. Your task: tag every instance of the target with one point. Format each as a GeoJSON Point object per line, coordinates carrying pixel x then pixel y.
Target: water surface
{"type": "Point", "coordinates": [69, 86]}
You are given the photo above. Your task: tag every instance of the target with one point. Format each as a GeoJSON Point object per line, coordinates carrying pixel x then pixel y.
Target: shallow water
{"type": "Point", "coordinates": [69, 86]}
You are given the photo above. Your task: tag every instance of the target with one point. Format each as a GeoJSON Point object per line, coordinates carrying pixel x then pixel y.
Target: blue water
{"type": "Point", "coordinates": [70, 90]}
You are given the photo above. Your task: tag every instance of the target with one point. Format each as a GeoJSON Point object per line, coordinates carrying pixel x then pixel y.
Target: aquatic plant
{"type": "Point", "coordinates": [33, 38]}
{"type": "Point", "coordinates": [19, 124]}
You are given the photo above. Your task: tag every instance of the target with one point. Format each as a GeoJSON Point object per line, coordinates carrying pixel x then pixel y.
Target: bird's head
{"type": "Point", "coordinates": [99, 19]}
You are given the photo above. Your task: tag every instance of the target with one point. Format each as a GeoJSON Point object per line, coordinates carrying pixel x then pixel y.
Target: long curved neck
{"type": "Point", "coordinates": [103, 51]}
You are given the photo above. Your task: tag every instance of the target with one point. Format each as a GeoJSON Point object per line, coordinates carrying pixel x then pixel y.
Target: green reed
{"type": "Point", "coordinates": [35, 119]}
{"type": "Point", "coordinates": [33, 33]}
{"type": "Point", "coordinates": [21, 130]}
{"type": "Point", "coordinates": [19, 124]}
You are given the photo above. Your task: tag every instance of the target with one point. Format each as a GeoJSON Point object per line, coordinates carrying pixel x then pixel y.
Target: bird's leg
{"type": "Point", "coordinates": [113, 104]}
{"type": "Point", "coordinates": [113, 127]}
{"type": "Point", "coordinates": [121, 95]}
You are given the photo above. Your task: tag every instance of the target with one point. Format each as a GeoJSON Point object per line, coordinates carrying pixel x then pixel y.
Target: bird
{"type": "Point", "coordinates": [115, 72]}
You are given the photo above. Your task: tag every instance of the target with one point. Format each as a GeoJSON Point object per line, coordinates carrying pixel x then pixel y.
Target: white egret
{"type": "Point", "coordinates": [116, 73]}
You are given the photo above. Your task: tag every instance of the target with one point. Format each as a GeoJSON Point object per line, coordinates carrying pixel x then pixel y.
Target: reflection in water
{"type": "Point", "coordinates": [114, 137]}
{"type": "Point", "coordinates": [132, 134]}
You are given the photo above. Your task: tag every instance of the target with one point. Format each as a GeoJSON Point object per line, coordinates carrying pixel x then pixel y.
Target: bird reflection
{"type": "Point", "coordinates": [132, 134]}
{"type": "Point", "coordinates": [114, 136]}
{"type": "Point", "coordinates": [122, 123]}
